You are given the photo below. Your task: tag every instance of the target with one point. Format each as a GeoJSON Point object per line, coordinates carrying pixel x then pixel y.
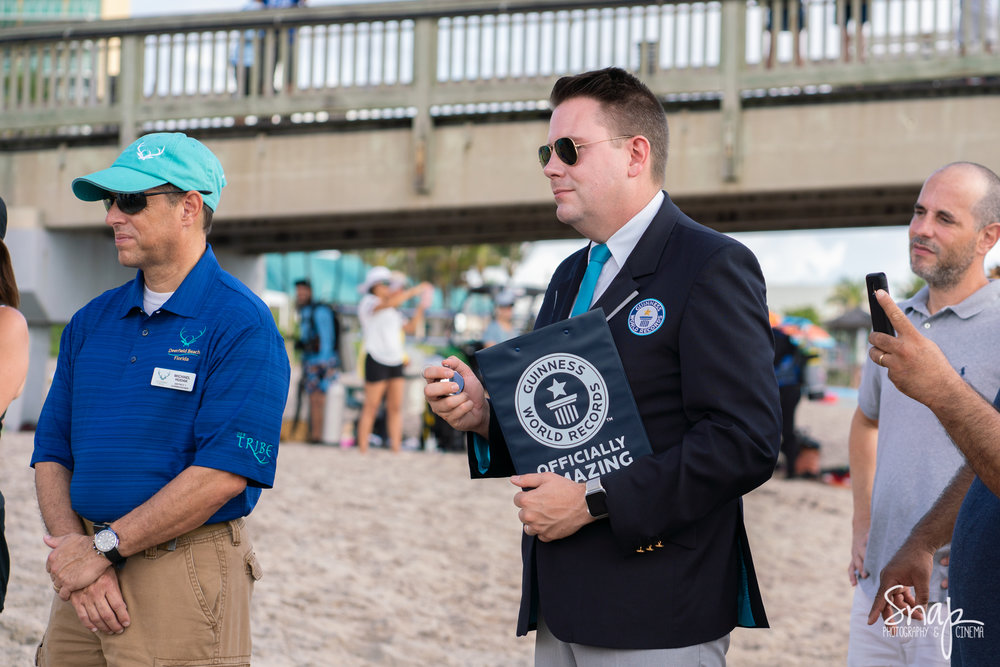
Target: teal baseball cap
{"type": "Point", "coordinates": [157, 159]}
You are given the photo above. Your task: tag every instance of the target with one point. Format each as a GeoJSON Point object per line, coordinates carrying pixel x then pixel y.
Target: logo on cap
{"type": "Point", "coordinates": [146, 154]}
{"type": "Point", "coordinates": [562, 400]}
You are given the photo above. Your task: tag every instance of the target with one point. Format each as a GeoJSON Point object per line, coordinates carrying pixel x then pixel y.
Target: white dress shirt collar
{"type": "Point", "coordinates": [623, 242]}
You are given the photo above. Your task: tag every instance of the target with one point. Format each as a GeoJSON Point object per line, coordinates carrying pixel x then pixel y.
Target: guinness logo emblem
{"type": "Point", "coordinates": [646, 317]}
{"type": "Point", "coordinates": [562, 400]}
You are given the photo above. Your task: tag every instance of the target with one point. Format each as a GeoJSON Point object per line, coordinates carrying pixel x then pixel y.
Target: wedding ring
{"type": "Point", "coordinates": [882, 356]}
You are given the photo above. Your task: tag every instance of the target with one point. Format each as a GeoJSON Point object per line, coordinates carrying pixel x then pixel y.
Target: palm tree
{"type": "Point", "coordinates": [445, 266]}
{"type": "Point", "coordinates": [848, 294]}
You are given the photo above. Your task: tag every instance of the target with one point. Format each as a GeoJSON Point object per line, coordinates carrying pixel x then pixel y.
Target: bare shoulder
{"type": "Point", "coordinates": [12, 323]}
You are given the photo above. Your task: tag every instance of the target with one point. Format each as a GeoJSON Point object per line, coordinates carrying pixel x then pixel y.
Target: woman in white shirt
{"type": "Point", "coordinates": [382, 330]}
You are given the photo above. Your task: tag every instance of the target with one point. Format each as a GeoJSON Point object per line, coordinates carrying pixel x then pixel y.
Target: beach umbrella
{"type": "Point", "coordinates": [804, 332]}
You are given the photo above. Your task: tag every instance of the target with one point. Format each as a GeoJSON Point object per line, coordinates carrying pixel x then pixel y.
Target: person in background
{"type": "Point", "coordinates": [901, 457]}
{"type": "Point", "coordinates": [244, 54]}
{"type": "Point", "coordinates": [288, 82]}
{"type": "Point", "coordinates": [320, 360]}
{"type": "Point", "coordinates": [159, 431]}
{"type": "Point", "coordinates": [501, 328]}
{"type": "Point", "coordinates": [788, 369]}
{"type": "Point", "coordinates": [383, 330]}
{"type": "Point", "coordinates": [966, 514]}
{"type": "Point", "coordinates": [779, 9]}
{"type": "Point", "coordinates": [850, 28]}
{"type": "Point", "coordinates": [13, 364]}
{"type": "Point", "coordinates": [978, 19]}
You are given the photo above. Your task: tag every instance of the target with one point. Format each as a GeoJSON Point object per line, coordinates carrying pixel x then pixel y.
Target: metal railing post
{"type": "Point", "coordinates": [424, 76]}
{"type": "Point", "coordinates": [129, 91]}
{"type": "Point", "coordinates": [731, 56]}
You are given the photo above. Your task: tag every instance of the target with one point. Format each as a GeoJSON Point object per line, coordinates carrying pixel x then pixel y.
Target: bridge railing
{"type": "Point", "coordinates": [430, 58]}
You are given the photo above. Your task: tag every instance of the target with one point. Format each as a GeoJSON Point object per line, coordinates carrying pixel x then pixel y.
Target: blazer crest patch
{"type": "Point", "coordinates": [646, 317]}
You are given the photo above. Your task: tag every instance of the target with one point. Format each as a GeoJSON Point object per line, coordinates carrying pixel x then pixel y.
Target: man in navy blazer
{"type": "Point", "coordinates": [649, 564]}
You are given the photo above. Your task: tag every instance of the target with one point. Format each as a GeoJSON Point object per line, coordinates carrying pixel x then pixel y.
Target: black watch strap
{"type": "Point", "coordinates": [112, 554]}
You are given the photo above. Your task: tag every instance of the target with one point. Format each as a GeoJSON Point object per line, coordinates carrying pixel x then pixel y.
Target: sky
{"type": "Point", "coordinates": [820, 257]}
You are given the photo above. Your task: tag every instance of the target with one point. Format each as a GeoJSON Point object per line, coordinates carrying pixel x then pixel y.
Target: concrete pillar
{"type": "Point", "coordinates": [26, 408]}
{"type": "Point", "coordinates": [57, 273]}
{"type": "Point", "coordinates": [251, 270]}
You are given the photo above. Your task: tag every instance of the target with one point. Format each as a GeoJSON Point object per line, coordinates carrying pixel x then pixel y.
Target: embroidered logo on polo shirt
{"type": "Point", "coordinates": [262, 451]}
{"type": "Point", "coordinates": [187, 339]}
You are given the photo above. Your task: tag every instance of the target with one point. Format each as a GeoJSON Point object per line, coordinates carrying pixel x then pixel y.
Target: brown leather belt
{"type": "Point", "coordinates": [234, 528]}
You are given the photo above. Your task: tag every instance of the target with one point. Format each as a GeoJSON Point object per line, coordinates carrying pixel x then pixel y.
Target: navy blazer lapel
{"type": "Point", "coordinates": [644, 259]}
{"type": "Point", "coordinates": [565, 290]}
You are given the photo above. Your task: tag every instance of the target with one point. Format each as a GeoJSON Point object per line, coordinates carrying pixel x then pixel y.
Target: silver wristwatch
{"type": "Point", "coordinates": [106, 543]}
{"type": "Point", "coordinates": [597, 499]}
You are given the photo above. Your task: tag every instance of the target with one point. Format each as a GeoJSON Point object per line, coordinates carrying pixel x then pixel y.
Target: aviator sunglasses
{"type": "Point", "coordinates": [567, 151]}
{"type": "Point", "coordinates": [131, 203]}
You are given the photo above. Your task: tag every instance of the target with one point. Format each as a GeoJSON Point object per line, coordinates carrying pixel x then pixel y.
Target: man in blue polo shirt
{"type": "Point", "coordinates": [159, 431]}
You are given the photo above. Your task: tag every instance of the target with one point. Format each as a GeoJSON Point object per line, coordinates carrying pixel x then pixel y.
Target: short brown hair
{"type": "Point", "coordinates": [629, 108]}
{"type": "Point", "coordinates": [175, 197]}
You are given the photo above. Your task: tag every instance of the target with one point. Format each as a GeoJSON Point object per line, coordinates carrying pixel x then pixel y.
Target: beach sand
{"type": "Point", "coordinates": [402, 560]}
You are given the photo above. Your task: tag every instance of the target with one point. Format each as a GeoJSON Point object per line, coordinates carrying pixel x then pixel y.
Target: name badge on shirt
{"type": "Point", "coordinates": [164, 377]}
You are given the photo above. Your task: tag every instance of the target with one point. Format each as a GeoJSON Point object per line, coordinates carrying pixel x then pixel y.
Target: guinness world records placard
{"type": "Point", "coordinates": [563, 401]}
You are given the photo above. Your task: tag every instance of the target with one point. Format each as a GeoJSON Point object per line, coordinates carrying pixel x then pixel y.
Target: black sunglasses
{"type": "Point", "coordinates": [131, 203]}
{"type": "Point", "coordinates": [567, 151]}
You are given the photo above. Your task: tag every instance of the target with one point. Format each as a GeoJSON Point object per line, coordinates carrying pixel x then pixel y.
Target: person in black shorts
{"type": "Point", "coordinates": [383, 329]}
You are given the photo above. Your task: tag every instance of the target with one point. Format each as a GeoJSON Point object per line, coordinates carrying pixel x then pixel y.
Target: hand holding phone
{"type": "Point", "coordinates": [880, 321]}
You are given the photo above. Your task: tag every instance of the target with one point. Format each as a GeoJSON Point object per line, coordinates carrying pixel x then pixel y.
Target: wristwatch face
{"type": "Point", "coordinates": [597, 500]}
{"type": "Point", "coordinates": [106, 540]}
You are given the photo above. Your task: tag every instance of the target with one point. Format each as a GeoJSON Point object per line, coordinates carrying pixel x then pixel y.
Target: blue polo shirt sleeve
{"type": "Point", "coordinates": [52, 435]}
{"type": "Point", "coordinates": [239, 420]}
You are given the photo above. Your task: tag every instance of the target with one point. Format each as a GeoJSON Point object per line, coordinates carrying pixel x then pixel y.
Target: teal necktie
{"type": "Point", "coordinates": [598, 256]}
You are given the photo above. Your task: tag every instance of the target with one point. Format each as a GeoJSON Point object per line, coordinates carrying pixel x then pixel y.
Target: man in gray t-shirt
{"type": "Point", "coordinates": [901, 457]}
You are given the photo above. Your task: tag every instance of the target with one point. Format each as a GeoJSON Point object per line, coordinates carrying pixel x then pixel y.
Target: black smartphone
{"type": "Point", "coordinates": [880, 321]}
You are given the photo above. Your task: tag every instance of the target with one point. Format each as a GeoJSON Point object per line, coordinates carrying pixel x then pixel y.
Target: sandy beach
{"type": "Point", "coordinates": [402, 560]}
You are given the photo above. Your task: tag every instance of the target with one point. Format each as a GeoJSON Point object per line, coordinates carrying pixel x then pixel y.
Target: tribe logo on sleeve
{"type": "Point", "coordinates": [262, 452]}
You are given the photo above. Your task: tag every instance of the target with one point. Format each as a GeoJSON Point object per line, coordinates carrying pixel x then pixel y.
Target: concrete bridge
{"type": "Point", "coordinates": [417, 123]}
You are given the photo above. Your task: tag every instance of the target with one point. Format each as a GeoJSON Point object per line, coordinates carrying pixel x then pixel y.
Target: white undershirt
{"type": "Point", "coordinates": [151, 301]}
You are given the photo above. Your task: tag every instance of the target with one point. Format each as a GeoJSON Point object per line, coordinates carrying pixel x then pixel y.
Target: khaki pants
{"type": "Point", "coordinates": [189, 604]}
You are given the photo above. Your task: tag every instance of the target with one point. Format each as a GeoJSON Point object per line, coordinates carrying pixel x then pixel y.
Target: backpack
{"type": "Point", "coordinates": [788, 360]}
{"type": "Point", "coordinates": [311, 345]}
